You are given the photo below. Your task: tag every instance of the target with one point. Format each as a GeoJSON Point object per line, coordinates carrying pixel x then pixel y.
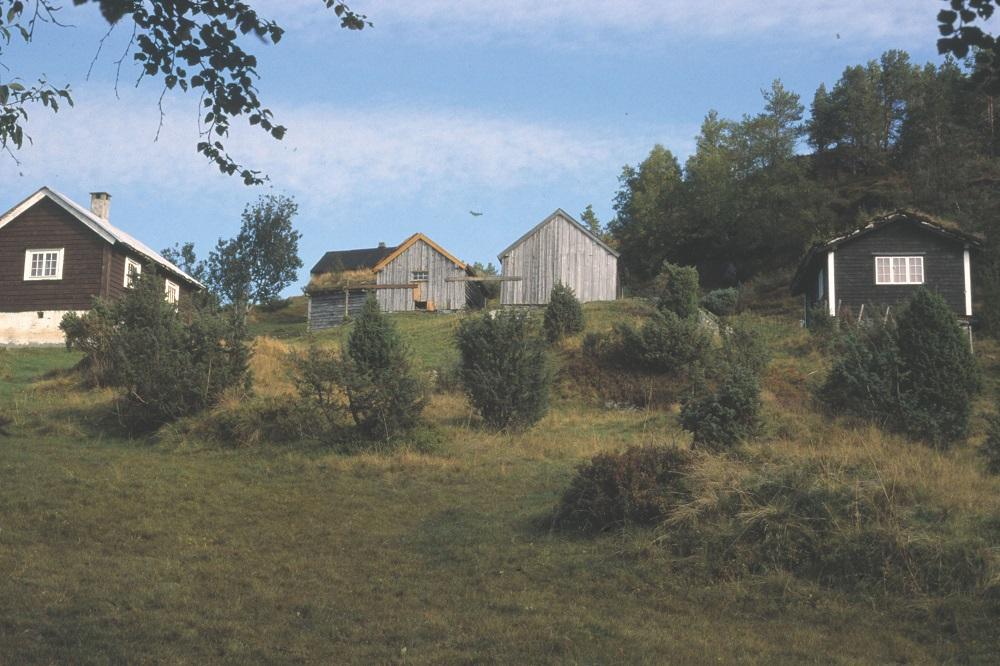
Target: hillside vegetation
{"type": "Point", "coordinates": [226, 538]}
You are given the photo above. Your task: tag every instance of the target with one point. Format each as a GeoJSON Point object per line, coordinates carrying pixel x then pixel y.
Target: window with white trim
{"type": "Point", "coordinates": [43, 264]}
{"type": "Point", "coordinates": [171, 292]}
{"type": "Point", "coordinates": [418, 276]}
{"type": "Point", "coordinates": [132, 269]}
{"type": "Point", "coordinates": [899, 270]}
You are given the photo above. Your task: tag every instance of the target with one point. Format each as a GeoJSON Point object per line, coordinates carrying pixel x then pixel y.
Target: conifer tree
{"type": "Point", "coordinates": [940, 375]}
{"type": "Point", "coordinates": [563, 314]}
{"type": "Point", "coordinates": [384, 396]}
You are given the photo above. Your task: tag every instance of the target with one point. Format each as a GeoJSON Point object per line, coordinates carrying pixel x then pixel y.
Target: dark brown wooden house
{"type": "Point", "coordinates": [880, 265]}
{"type": "Point", "coordinates": [56, 257]}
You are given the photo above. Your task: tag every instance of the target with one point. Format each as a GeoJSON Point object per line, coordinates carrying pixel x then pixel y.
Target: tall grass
{"type": "Point", "coordinates": [181, 550]}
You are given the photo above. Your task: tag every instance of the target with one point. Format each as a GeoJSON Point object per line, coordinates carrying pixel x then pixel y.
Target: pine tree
{"type": "Point", "coordinates": [504, 369]}
{"type": "Point", "coordinates": [563, 314]}
{"type": "Point", "coordinates": [940, 375]}
{"type": "Point", "coordinates": [384, 396]}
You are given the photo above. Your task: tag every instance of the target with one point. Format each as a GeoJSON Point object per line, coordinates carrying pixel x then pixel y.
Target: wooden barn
{"type": "Point", "coordinates": [558, 249]}
{"type": "Point", "coordinates": [880, 265]}
{"type": "Point", "coordinates": [418, 274]}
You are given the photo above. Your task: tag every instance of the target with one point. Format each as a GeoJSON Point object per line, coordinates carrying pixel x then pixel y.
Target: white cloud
{"type": "Point", "coordinates": [590, 21]}
{"type": "Point", "coordinates": [330, 153]}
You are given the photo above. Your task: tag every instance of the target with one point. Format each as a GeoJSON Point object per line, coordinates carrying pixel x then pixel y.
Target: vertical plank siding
{"type": "Point", "coordinates": [558, 252]}
{"type": "Point", "coordinates": [422, 257]}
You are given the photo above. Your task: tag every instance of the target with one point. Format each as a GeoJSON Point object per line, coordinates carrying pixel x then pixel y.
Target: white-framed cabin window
{"type": "Point", "coordinates": [171, 292]}
{"type": "Point", "coordinates": [418, 276]}
{"type": "Point", "coordinates": [132, 269]}
{"type": "Point", "coordinates": [43, 264]}
{"type": "Point", "coordinates": [899, 270]}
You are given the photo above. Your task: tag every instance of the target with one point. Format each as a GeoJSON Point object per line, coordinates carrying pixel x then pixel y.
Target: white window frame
{"type": "Point", "coordinates": [414, 274]}
{"type": "Point", "coordinates": [131, 263]}
{"type": "Point", "coordinates": [171, 292]}
{"type": "Point", "coordinates": [29, 255]}
{"type": "Point", "coordinates": [911, 266]}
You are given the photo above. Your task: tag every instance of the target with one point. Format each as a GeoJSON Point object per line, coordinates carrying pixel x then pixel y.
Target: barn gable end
{"type": "Point", "coordinates": [558, 250]}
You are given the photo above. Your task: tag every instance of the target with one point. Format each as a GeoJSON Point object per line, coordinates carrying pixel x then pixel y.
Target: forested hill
{"type": "Point", "coordinates": [757, 191]}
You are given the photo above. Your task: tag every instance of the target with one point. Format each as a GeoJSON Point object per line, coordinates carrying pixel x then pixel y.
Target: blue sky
{"type": "Point", "coordinates": [508, 107]}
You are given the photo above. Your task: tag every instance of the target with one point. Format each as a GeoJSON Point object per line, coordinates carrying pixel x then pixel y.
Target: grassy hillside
{"type": "Point", "coordinates": [178, 549]}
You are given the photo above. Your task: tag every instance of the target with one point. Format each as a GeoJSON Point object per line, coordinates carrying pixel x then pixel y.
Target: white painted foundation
{"type": "Point", "coordinates": [27, 328]}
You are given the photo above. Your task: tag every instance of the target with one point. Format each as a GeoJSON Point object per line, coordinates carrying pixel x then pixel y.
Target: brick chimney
{"type": "Point", "coordinates": [100, 205]}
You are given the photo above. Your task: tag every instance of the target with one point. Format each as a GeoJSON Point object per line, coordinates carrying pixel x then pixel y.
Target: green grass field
{"type": "Point", "coordinates": [167, 550]}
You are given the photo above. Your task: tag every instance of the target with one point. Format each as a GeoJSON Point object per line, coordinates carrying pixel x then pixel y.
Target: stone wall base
{"type": "Point", "coordinates": [32, 328]}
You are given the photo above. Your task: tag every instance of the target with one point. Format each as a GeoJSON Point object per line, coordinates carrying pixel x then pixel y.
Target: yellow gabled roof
{"type": "Point", "coordinates": [409, 242]}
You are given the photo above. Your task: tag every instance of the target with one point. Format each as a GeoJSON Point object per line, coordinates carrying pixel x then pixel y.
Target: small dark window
{"type": "Point", "coordinates": [41, 315]}
{"type": "Point", "coordinates": [420, 305]}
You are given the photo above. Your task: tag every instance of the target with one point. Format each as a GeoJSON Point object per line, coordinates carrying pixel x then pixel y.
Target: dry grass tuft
{"type": "Point", "coordinates": [340, 280]}
{"type": "Point", "coordinates": [271, 368]}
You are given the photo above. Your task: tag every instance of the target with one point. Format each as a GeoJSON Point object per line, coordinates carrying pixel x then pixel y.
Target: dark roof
{"type": "Point", "coordinates": [351, 260]}
{"type": "Point", "coordinates": [923, 221]}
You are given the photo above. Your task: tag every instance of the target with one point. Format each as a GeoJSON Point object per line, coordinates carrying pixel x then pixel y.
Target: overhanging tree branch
{"type": "Point", "coordinates": [186, 44]}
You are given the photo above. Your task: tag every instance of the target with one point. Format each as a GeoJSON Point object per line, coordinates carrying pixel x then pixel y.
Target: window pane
{"type": "Point", "coordinates": [882, 272]}
{"type": "Point", "coordinates": [899, 269]}
{"type": "Point", "coordinates": [917, 270]}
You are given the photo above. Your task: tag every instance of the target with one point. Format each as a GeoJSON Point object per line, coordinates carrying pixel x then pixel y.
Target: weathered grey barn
{"type": "Point", "coordinates": [418, 274]}
{"type": "Point", "coordinates": [558, 249]}
{"type": "Point", "coordinates": [881, 264]}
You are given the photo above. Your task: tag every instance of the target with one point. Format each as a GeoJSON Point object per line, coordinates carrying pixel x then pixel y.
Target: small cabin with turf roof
{"type": "Point", "coordinates": [418, 274]}
{"type": "Point", "coordinates": [880, 265]}
{"type": "Point", "coordinates": [57, 256]}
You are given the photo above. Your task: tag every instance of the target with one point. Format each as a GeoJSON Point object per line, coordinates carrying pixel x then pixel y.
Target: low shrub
{"type": "Point", "coordinates": [941, 377]}
{"type": "Point", "coordinates": [563, 314]}
{"type": "Point", "coordinates": [917, 376]}
{"type": "Point", "coordinates": [864, 379]}
{"type": "Point", "coordinates": [840, 527]}
{"type": "Point", "coordinates": [384, 395]}
{"type": "Point", "coordinates": [676, 290]}
{"type": "Point", "coordinates": [636, 486]}
{"type": "Point", "coordinates": [371, 381]}
{"type": "Point", "coordinates": [743, 345]}
{"type": "Point", "coordinates": [166, 363]}
{"type": "Point", "coordinates": [721, 418]}
{"type": "Point", "coordinates": [665, 343]}
{"type": "Point", "coordinates": [258, 421]}
{"type": "Point", "coordinates": [504, 369]}
{"type": "Point", "coordinates": [820, 322]}
{"type": "Point", "coordinates": [990, 448]}
{"type": "Point", "coordinates": [721, 302]}
{"type": "Point", "coordinates": [93, 334]}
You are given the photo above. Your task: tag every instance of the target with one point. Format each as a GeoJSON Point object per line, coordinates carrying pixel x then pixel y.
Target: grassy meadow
{"type": "Point", "coordinates": [175, 548]}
